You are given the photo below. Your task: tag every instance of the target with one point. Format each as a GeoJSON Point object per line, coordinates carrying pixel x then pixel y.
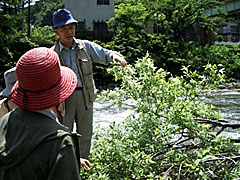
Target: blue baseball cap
{"type": "Point", "coordinates": [62, 17]}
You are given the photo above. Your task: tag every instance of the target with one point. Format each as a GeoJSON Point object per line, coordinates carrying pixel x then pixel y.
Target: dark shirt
{"type": "Point", "coordinates": [34, 146]}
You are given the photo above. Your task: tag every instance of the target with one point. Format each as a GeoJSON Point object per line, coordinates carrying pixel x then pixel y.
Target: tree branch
{"type": "Point", "coordinates": [233, 159]}
{"type": "Point", "coordinates": [220, 122]}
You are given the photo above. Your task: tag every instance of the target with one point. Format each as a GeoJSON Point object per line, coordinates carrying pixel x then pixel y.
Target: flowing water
{"type": "Point", "coordinates": [227, 101]}
{"type": "Point", "coordinates": [104, 113]}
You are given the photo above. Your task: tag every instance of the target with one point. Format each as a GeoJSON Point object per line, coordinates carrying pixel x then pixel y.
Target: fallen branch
{"type": "Point", "coordinates": [219, 122]}
{"type": "Point", "coordinates": [233, 159]}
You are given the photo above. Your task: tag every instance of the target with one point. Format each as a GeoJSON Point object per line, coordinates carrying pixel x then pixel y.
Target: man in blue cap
{"type": "Point", "coordinates": [79, 55]}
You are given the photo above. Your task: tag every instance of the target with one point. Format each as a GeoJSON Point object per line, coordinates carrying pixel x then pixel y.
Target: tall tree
{"type": "Point", "coordinates": [29, 16]}
{"type": "Point", "coordinates": [175, 17]}
{"type": "Point", "coordinates": [172, 18]}
{"type": "Point", "coordinates": [22, 1]}
{"type": "Point", "coordinates": [42, 11]}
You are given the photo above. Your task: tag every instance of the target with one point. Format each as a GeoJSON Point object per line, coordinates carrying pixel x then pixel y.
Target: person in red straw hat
{"type": "Point", "coordinates": [33, 144]}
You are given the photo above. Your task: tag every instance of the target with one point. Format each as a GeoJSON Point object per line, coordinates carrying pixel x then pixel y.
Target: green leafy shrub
{"type": "Point", "coordinates": [161, 139]}
{"type": "Point", "coordinates": [229, 57]}
{"type": "Point", "coordinates": [43, 36]}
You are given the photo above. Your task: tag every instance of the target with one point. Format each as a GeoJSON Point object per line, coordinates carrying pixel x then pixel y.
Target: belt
{"type": "Point", "coordinates": [79, 88]}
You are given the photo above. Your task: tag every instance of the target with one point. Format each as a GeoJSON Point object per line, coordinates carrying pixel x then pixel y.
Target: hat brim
{"type": "Point", "coordinates": [65, 23]}
{"type": "Point", "coordinates": [6, 91]}
{"type": "Point", "coordinates": [47, 99]}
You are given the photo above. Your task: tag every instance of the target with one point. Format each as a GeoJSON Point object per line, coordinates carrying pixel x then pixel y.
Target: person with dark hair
{"type": "Point", "coordinates": [33, 144]}
{"type": "Point", "coordinates": [79, 55]}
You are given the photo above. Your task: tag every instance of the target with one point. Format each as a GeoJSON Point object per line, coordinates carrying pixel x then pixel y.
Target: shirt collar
{"type": "Point", "coordinates": [49, 113]}
{"type": "Point", "coordinates": [61, 46]}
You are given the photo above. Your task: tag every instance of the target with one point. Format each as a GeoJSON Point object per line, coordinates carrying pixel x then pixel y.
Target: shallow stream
{"type": "Point", "coordinates": [227, 101]}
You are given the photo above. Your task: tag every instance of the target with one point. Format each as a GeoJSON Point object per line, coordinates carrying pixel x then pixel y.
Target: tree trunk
{"type": "Point", "coordinates": [23, 16]}
{"type": "Point", "coordinates": [4, 7]}
{"type": "Point", "coordinates": [29, 25]}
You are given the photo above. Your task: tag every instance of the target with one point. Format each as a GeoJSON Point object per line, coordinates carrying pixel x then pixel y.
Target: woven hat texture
{"type": "Point", "coordinates": [42, 82]}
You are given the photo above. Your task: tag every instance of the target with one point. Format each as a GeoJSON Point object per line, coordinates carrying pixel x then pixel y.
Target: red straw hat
{"type": "Point", "coordinates": [42, 82]}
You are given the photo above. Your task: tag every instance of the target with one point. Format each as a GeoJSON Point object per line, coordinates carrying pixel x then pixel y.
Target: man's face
{"type": "Point", "coordinates": [66, 34]}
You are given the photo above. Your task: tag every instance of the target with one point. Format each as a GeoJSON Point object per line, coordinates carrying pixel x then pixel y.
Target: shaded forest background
{"type": "Point", "coordinates": [28, 27]}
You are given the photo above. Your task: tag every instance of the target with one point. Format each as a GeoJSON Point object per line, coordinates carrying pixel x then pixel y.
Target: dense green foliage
{"type": "Point", "coordinates": [43, 36]}
{"type": "Point", "coordinates": [14, 41]}
{"type": "Point", "coordinates": [161, 138]}
{"type": "Point", "coordinates": [43, 10]}
{"type": "Point", "coordinates": [171, 17]}
{"type": "Point", "coordinates": [14, 44]}
{"type": "Point", "coordinates": [167, 45]}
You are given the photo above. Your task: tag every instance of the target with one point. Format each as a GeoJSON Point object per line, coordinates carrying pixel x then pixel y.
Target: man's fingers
{"type": "Point", "coordinates": [85, 163]}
